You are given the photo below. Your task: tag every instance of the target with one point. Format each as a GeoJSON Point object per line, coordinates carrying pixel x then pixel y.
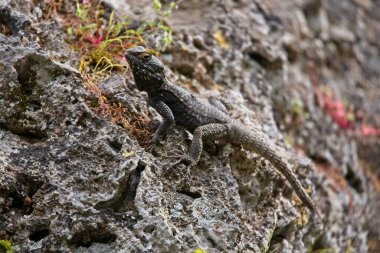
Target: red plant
{"type": "Point", "coordinates": [96, 39]}
{"type": "Point", "coordinates": [335, 109]}
{"type": "Point", "coordinates": [339, 112]}
{"type": "Point", "coordinates": [367, 130]}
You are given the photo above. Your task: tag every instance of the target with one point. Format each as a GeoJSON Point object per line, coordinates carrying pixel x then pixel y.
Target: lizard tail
{"type": "Point", "coordinates": [259, 143]}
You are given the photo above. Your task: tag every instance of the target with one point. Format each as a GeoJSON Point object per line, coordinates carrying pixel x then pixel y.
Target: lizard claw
{"type": "Point", "coordinates": [169, 169]}
{"type": "Point", "coordinates": [172, 165]}
{"type": "Point", "coordinates": [173, 156]}
{"type": "Point", "coordinates": [185, 159]}
{"type": "Point", "coordinates": [182, 160]}
{"type": "Point", "coordinates": [151, 147]}
{"type": "Point", "coordinates": [152, 144]}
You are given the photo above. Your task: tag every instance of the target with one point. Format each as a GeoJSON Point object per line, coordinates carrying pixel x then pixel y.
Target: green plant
{"type": "Point", "coordinates": [164, 13]}
{"type": "Point", "coordinates": [265, 247]}
{"type": "Point", "coordinates": [101, 37]}
{"type": "Point", "coordinates": [297, 107]}
{"type": "Point", "coordinates": [167, 38]}
{"type": "Point", "coordinates": [319, 247]}
{"type": "Point", "coordinates": [326, 250]}
{"type": "Point", "coordinates": [7, 246]}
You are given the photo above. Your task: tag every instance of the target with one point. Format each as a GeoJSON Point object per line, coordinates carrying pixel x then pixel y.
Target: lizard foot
{"type": "Point", "coordinates": [181, 159]}
{"type": "Point", "coordinates": [151, 145]}
{"type": "Point", "coordinates": [180, 168]}
{"type": "Point", "coordinates": [184, 159]}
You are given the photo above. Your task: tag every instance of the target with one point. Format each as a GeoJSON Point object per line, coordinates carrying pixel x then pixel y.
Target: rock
{"type": "Point", "coordinates": [74, 181]}
{"type": "Point", "coordinates": [16, 22]}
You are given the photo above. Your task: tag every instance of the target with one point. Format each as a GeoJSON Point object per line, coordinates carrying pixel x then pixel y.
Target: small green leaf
{"type": "Point", "coordinates": [117, 28]}
{"type": "Point", "coordinates": [81, 13]}
{"type": "Point", "coordinates": [86, 27]}
{"type": "Point", "coordinates": [350, 116]}
{"type": "Point", "coordinates": [167, 39]}
{"type": "Point", "coordinates": [172, 5]}
{"type": "Point", "coordinates": [69, 31]}
{"type": "Point", "coordinates": [7, 245]}
{"type": "Point", "coordinates": [297, 106]}
{"type": "Point", "coordinates": [199, 250]}
{"type": "Point", "coordinates": [157, 5]}
{"type": "Point", "coordinates": [164, 27]}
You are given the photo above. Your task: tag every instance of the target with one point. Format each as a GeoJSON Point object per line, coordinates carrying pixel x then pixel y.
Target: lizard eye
{"type": "Point", "coordinates": [145, 56]}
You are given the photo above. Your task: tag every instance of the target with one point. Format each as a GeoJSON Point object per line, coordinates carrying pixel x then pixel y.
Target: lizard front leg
{"type": "Point", "coordinates": [211, 131]}
{"type": "Point", "coordinates": [167, 120]}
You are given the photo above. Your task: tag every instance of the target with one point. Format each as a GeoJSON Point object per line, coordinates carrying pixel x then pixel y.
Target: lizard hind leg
{"type": "Point", "coordinates": [210, 132]}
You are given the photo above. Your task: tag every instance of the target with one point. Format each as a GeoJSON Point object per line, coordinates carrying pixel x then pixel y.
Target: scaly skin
{"type": "Point", "coordinates": [207, 121]}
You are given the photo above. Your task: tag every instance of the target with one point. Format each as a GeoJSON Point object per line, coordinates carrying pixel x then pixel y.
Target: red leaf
{"type": "Point", "coordinates": [366, 130]}
{"type": "Point", "coordinates": [96, 39]}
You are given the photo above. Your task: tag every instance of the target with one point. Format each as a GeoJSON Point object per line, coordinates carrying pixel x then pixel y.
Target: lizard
{"type": "Point", "coordinates": [207, 121]}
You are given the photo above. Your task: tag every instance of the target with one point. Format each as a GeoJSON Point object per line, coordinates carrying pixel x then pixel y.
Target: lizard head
{"type": "Point", "coordinates": [147, 70]}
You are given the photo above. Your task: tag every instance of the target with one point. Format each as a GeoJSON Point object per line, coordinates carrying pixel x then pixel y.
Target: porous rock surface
{"type": "Point", "coordinates": [72, 181]}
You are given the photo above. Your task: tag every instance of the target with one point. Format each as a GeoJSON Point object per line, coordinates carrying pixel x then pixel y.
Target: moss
{"type": "Point", "coordinates": [7, 246]}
